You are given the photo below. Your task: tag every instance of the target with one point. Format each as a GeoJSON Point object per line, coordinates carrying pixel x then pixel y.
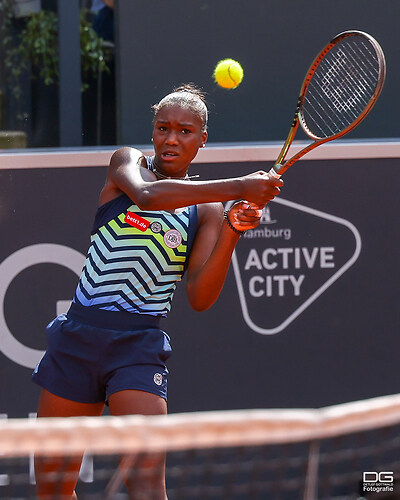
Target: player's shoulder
{"type": "Point", "coordinates": [125, 155]}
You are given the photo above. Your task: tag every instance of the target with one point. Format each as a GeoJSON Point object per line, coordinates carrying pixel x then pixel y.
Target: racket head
{"type": "Point", "coordinates": [341, 86]}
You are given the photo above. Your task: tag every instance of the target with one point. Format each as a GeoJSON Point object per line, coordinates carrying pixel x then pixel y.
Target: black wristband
{"type": "Point", "coordinates": [230, 224]}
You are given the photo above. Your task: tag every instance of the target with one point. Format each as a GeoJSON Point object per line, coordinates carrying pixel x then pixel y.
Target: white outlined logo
{"type": "Point", "coordinates": [45, 253]}
{"type": "Point", "coordinates": [266, 228]}
{"type": "Point", "coordinates": [377, 482]}
{"type": "Point", "coordinates": [285, 269]}
{"type": "Point", "coordinates": [266, 216]}
{"type": "Point", "coordinates": [378, 477]}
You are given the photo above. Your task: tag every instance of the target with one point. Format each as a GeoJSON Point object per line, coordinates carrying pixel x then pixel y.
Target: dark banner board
{"type": "Point", "coordinates": [161, 45]}
{"type": "Point", "coordinates": [308, 316]}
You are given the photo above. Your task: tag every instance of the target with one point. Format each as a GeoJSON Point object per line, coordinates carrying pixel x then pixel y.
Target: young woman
{"type": "Point", "coordinates": [153, 224]}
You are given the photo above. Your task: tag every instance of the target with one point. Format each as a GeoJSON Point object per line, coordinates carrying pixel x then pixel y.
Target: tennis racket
{"type": "Point", "coordinates": [339, 90]}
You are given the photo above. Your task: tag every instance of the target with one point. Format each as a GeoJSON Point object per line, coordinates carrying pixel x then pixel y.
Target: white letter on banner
{"type": "Point", "coordinates": [45, 253]}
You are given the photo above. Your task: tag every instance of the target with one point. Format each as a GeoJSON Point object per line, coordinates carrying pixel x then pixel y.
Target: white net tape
{"type": "Point", "coordinates": [309, 454]}
{"type": "Point", "coordinates": [100, 435]}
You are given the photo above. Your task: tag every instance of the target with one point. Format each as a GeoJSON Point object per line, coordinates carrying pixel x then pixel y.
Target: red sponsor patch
{"type": "Point", "coordinates": [136, 221]}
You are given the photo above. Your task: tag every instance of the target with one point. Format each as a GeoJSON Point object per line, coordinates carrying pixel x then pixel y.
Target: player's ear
{"type": "Point", "coordinates": [204, 138]}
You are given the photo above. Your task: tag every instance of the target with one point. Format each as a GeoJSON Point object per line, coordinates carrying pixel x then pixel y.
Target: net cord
{"type": "Point", "coordinates": [136, 433]}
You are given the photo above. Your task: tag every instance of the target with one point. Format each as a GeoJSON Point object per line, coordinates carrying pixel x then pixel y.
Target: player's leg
{"type": "Point", "coordinates": [56, 477]}
{"type": "Point", "coordinates": [144, 475]}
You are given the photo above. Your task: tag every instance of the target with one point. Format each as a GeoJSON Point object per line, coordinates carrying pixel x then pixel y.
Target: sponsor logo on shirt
{"type": "Point", "coordinates": [173, 238]}
{"type": "Point", "coordinates": [135, 220]}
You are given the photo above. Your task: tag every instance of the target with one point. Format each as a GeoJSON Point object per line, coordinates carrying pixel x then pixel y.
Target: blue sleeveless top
{"type": "Point", "coordinates": [135, 258]}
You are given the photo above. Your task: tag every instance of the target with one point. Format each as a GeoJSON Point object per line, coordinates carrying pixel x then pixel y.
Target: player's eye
{"type": "Point", "coordinates": [186, 131]}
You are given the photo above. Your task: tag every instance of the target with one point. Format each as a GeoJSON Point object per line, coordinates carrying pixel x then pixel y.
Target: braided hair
{"type": "Point", "coordinates": [188, 96]}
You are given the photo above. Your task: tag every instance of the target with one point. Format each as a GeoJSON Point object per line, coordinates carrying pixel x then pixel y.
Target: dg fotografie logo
{"type": "Point", "coordinates": [377, 482]}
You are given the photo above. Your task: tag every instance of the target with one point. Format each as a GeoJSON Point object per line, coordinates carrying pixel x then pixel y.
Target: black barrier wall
{"type": "Point", "coordinates": [162, 44]}
{"type": "Point", "coordinates": [309, 314]}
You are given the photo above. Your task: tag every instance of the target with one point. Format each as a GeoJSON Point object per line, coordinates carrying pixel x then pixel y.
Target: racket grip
{"type": "Point", "coordinates": [254, 207]}
{"type": "Point", "coordinates": [274, 173]}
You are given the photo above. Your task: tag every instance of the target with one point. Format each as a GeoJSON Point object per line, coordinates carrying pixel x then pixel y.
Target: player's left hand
{"type": "Point", "coordinates": [244, 216]}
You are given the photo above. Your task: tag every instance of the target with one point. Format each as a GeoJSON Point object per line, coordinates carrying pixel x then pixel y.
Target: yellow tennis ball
{"type": "Point", "coordinates": [228, 73]}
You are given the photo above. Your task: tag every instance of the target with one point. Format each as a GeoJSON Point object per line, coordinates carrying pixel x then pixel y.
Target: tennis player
{"type": "Point", "coordinates": [153, 224]}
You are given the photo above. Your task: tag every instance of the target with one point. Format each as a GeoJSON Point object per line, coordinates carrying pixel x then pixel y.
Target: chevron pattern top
{"type": "Point", "coordinates": [135, 258]}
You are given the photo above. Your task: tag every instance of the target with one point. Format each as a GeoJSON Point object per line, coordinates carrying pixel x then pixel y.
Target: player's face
{"type": "Point", "coordinates": [177, 137]}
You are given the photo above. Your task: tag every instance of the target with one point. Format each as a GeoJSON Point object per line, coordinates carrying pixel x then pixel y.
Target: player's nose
{"type": "Point", "coordinates": [172, 138]}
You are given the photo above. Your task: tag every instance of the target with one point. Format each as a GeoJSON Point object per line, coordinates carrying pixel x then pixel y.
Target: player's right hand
{"type": "Point", "coordinates": [260, 188]}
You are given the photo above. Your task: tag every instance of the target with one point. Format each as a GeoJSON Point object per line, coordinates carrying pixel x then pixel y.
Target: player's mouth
{"type": "Point", "coordinates": [169, 155]}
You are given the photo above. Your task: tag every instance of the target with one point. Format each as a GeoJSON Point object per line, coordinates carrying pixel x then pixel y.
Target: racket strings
{"type": "Point", "coordinates": [346, 83]}
{"type": "Point", "coordinates": [342, 95]}
{"type": "Point", "coordinates": [323, 96]}
{"type": "Point", "coordinates": [341, 87]}
{"type": "Point", "coordinates": [342, 91]}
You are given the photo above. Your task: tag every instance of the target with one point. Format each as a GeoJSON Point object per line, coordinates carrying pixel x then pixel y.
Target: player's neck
{"type": "Point", "coordinates": [160, 175]}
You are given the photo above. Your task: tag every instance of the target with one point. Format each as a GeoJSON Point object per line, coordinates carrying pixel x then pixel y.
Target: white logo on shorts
{"type": "Point", "coordinates": [157, 378]}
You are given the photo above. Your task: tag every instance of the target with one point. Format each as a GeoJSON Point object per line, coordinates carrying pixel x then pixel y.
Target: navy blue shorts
{"type": "Point", "coordinates": [88, 358]}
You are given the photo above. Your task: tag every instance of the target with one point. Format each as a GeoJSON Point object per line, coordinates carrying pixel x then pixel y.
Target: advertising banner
{"type": "Point", "coordinates": [309, 314]}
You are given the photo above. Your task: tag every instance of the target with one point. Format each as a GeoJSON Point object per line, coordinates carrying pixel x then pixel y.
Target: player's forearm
{"type": "Point", "coordinates": [204, 288]}
{"type": "Point", "coordinates": [171, 194]}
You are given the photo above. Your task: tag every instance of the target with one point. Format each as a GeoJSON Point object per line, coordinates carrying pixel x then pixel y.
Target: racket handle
{"type": "Point", "coordinates": [254, 207]}
{"type": "Point", "coordinates": [274, 173]}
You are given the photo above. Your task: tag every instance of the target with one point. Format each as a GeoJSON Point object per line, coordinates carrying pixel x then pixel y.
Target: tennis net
{"type": "Point", "coordinates": [343, 452]}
